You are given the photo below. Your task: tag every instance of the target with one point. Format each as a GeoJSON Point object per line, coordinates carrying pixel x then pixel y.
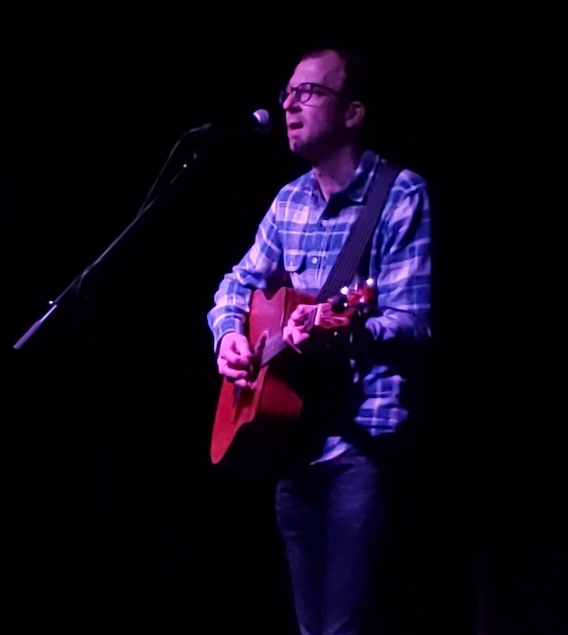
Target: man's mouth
{"type": "Point", "coordinates": [294, 125]}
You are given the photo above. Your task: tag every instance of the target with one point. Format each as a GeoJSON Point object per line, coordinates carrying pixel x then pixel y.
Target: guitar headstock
{"type": "Point", "coordinates": [350, 302]}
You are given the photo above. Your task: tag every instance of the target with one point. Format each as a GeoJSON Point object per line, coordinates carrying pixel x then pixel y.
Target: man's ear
{"type": "Point", "coordinates": [354, 114]}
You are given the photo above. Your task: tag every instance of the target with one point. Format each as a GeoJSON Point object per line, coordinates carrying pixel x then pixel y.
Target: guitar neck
{"type": "Point", "coordinates": [275, 344]}
{"type": "Point", "coordinates": [272, 347]}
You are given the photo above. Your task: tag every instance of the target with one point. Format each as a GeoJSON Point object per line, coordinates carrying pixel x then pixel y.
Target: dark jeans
{"type": "Point", "coordinates": [332, 517]}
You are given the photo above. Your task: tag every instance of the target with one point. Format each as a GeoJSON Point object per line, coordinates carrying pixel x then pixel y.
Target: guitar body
{"type": "Point", "coordinates": [254, 421]}
{"type": "Point", "coordinates": [262, 427]}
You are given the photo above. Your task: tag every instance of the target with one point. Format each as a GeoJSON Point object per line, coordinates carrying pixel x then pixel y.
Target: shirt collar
{"type": "Point", "coordinates": [356, 190]}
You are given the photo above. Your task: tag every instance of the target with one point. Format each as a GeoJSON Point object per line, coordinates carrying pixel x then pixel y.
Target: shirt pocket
{"type": "Point", "coordinates": [302, 273]}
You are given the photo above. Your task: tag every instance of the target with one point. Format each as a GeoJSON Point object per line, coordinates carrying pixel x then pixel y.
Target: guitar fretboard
{"type": "Point", "coordinates": [275, 344]}
{"type": "Point", "coordinates": [272, 347]}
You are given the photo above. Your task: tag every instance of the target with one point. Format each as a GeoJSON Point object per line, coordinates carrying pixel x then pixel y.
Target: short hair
{"type": "Point", "coordinates": [357, 85]}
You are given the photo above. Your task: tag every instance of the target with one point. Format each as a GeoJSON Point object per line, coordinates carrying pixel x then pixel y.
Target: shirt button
{"type": "Point", "coordinates": [314, 260]}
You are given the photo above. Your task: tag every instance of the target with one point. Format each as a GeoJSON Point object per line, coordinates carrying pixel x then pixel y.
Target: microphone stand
{"type": "Point", "coordinates": [149, 203]}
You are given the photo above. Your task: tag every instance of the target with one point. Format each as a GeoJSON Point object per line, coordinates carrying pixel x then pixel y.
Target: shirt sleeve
{"type": "Point", "coordinates": [401, 265]}
{"type": "Point", "coordinates": [232, 300]}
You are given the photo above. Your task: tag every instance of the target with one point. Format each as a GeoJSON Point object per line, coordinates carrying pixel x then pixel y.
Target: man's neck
{"type": "Point", "coordinates": [337, 169]}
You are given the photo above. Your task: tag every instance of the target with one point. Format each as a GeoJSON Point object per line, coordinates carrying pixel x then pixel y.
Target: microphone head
{"type": "Point", "coordinates": [262, 116]}
{"type": "Point", "coordinates": [259, 121]}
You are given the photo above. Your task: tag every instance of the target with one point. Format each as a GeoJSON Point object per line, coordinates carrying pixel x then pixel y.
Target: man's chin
{"type": "Point", "coordinates": [300, 148]}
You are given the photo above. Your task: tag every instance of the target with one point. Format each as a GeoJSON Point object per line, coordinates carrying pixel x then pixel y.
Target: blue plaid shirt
{"type": "Point", "coordinates": [297, 236]}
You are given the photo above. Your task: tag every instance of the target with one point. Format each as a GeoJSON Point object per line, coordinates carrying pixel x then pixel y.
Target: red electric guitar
{"type": "Point", "coordinates": [254, 421]}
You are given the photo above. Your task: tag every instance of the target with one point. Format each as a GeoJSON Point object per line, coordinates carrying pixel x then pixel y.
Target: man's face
{"type": "Point", "coordinates": [317, 126]}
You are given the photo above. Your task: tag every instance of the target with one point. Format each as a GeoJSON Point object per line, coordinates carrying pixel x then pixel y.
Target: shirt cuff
{"type": "Point", "coordinates": [228, 325]}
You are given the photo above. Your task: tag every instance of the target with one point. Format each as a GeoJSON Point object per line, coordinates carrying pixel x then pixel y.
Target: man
{"type": "Point", "coordinates": [332, 510]}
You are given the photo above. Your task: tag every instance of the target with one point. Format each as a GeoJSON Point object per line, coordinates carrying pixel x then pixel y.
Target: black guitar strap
{"type": "Point", "coordinates": [360, 236]}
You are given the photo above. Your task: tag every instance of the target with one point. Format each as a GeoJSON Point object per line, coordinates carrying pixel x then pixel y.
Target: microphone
{"type": "Point", "coordinates": [258, 121]}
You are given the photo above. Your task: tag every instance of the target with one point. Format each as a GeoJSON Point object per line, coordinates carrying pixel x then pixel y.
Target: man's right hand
{"type": "Point", "coordinates": [234, 359]}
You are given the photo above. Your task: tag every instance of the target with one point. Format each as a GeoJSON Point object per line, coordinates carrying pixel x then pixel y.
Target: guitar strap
{"type": "Point", "coordinates": [360, 236]}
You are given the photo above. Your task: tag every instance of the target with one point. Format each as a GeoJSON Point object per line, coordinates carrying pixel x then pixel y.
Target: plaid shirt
{"type": "Point", "coordinates": [298, 236]}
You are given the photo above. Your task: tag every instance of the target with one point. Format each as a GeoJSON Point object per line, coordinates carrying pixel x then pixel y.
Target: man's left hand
{"type": "Point", "coordinates": [296, 330]}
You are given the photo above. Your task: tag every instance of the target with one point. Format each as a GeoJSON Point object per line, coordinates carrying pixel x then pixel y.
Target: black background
{"type": "Point", "coordinates": [112, 509]}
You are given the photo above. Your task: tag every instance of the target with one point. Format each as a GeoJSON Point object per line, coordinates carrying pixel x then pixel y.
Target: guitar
{"type": "Point", "coordinates": [254, 422]}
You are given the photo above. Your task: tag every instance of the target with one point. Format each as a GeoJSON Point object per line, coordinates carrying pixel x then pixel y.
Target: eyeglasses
{"type": "Point", "coordinates": [303, 92]}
